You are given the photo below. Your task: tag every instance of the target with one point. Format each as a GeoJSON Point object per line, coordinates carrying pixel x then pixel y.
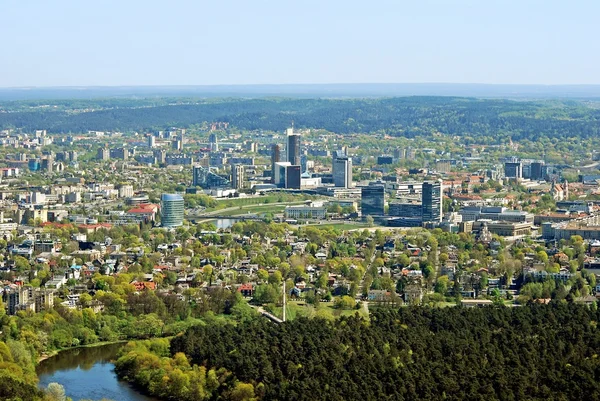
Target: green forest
{"type": "Point", "coordinates": [28, 337]}
{"type": "Point", "coordinates": [534, 352]}
{"type": "Point", "coordinates": [406, 116]}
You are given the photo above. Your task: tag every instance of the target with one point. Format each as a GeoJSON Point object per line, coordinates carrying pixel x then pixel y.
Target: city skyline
{"type": "Point", "coordinates": [303, 200]}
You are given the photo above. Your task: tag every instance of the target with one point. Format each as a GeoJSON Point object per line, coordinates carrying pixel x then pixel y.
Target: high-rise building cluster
{"type": "Point", "coordinates": [518, 169]}
{"type": "Point", "coordinates": [287, 174]}
{"type": "Point", "coordinates": [414, 212]}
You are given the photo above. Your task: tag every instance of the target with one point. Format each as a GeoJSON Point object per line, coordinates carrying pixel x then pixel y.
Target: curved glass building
{"type": "Point", "coordinates": [171, 210]}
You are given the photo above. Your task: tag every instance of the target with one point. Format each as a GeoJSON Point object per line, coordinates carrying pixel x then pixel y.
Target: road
{"type": "Point", "coordinates": [266, 314]}
{"type": "Point", "coordinates": [592, 165]}
{"type": "Point", "coordinates": [362, 280]}
{"type": "Point", "coordinates": [365, 305]}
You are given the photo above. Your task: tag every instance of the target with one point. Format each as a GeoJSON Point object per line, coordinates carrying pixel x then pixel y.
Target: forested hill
{"type": "Point", "coordinates": [536, 352]}
{"type": "Point", "coordinates": [407, 116]}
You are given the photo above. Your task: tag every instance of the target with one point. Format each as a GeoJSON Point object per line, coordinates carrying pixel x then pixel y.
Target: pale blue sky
{"type": "Point", "coordinates": [197, 42]}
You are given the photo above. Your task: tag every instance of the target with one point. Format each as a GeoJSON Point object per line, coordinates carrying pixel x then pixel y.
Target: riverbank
{"type": "Point", "coordinates": [45, 356]}
{"type": "Point", "coordinates": [88, 373]}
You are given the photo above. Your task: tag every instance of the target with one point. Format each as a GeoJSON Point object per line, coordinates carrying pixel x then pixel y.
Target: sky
{"type": "Point", "coordinates": [224, 42]}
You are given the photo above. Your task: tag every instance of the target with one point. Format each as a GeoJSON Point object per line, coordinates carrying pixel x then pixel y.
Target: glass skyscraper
{"type": "Point", "coordinates": [293, 147]}
{"type": "Point", "coordinates": [432, 201]}
{"type": "Point", "coordinates": [373, 200]}
{"type": "Point", "coordinates": [275, 158]}
{"type": "Point", "coordinates": [171, 210]}
{"type": "Point", "coordinates": [342, 170]}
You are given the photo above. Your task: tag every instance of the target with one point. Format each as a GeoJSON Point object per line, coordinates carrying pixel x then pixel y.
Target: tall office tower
{"type": "Point", "coordinates": [151, 141]}
{"type": "Point", "coordinates": [275, 158]}
{"type": "Point", "coordinates": [293, 147]}
{"type": "Point", "coordinates": [197, 174]}
{"type": "Point", "coordinates": [293, 177]}
{"type": "Point", "coordinates": [181, 135]}
{"type": "Point", "coordinates": [342, 170]}
{"type": "Point", "coordinates": [280, 173]}
{"type": "Point", "coordinates": [237, 176]}
{"type": "Point", "coordinates": [171, 210]}
{"type": "Point", "coordinates": [372, 200]}
{"type": "Point", "coordinates": [176, 144]}
{"type": "Point", "coordinates": [73, 155]}
{"type": "Point", "coordinates": [432, 201]}
{"type": "Point", "coordinates": [513, 168]}
{"type": "Point", "coordinates": [536, 170]}
{"type": "Point", "coordinates": [213, 142]}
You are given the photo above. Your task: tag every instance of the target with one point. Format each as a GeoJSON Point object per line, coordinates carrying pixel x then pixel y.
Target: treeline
{"type": "Point", "coordinates": [535, 352]}
{"type": "Point", "coordinates": [407, 116]}
{"type": "Point", "coordinates": [27, 336]}
{"type": "Point", "coordinates": [147, 365]}
{"type": "Point", "coordinates": [18, 380]}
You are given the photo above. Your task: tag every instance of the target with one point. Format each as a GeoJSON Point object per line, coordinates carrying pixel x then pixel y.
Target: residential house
{"type": "Point", "coordinates": [378, 295]}
{"type": "Point", "coordinates": [247, 290]}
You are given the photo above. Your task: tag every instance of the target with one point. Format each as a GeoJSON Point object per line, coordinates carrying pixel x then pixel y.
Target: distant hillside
{"type": "Point", "coordinates": [309, 91]}
{"type": "Point", "coordinates": [407, 116]}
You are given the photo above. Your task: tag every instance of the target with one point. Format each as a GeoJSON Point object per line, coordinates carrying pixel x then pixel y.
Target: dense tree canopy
{"type": "Point", "coordinates": [537, 352]}
{"type": "Point", "coordinates": [407, 116]}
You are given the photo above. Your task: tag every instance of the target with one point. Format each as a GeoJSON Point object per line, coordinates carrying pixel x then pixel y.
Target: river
{"type": "Point", "coordinates": [224, 223]}
{"type": "Point", "coordinates": [88, 373]}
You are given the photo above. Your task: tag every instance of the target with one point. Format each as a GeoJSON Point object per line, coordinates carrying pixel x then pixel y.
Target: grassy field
{"type": "Point", "coordinates": [275, 198]}
{"type": "Point", "coordinates": [341, 225]}
{"type": "Point", "coordinates": [255, 209]}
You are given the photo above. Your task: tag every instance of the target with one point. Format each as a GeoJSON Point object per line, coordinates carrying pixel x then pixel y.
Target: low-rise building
{"type": "Point", "coordinates": [509, 229]}
{"type": "Point", "coordinates": [309, 211]}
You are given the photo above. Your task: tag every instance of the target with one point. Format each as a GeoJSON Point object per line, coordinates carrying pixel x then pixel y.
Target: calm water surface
{"type": "Point", "coordinates": [88, 373]}
{"type": "Point", "coordinates": [224, 223]}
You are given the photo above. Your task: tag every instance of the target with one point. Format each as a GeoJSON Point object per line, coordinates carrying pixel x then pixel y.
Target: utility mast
{"type": "Point", "coordinates": [283, 301]}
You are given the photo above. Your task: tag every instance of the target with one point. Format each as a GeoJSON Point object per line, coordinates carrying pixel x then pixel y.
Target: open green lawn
{"type": "Point", "coordinates": [275, 198]}
{"type": "Point", "coordinates": [254, 209]}
{"type": "Point", "coordinates": [342, 225]}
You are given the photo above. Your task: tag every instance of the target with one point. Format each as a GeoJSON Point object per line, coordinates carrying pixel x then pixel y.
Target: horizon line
{"type": "Point", "coordinates": [296, 84]}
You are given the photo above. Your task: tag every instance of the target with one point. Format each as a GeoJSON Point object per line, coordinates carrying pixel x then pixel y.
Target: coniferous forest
{"type": "Point", "coordinates": [406, 116]}
{"type": "Point", "coordinates": [535, 352]}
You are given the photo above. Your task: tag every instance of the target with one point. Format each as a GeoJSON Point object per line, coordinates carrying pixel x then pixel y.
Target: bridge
{"type": "Point", "coordinates": [268, 315]}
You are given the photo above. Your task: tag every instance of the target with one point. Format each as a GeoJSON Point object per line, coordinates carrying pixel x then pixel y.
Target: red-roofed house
{"type": "Point", "coordinates": [141, 285]}
{"type": "Point", "coordinates": [148, 206]}
{"type": "Point", "coordinates": [147, 211]}
{"type": "Point", "coordinates": [246, 290]}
